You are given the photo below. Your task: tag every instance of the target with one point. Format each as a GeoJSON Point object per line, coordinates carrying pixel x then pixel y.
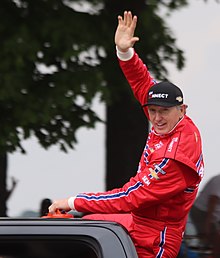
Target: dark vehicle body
{"type": "Point", "coordinates": [76, 238]}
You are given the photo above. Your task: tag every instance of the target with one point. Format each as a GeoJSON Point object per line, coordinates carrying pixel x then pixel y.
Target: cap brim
{"type": "Point", "coordinates": [161, 104]}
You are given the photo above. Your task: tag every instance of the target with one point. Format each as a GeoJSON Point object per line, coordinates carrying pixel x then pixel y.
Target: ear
{"type": "Point", "coordinates": [183, 109]}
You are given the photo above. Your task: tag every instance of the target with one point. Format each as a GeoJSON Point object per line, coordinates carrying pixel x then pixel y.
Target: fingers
{"type": "Point", "coordinates": [59, 205]}
{"type": "Point", "coordinates": [52, 208]}
{"type": "Point", "coordinates": [133, 23]}
{"type": "Point", "coordinates": [124, 35]}
{"type": "Point", "coordinates": [120, 20]}
{"type": "Point", "coordinates": [127, 20]}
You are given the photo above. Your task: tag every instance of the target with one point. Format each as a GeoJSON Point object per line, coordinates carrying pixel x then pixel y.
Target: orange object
{"type": "Point", "coordinates": [59, 214]}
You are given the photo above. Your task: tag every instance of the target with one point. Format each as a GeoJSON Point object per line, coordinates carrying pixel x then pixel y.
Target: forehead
{"type": "Point", "coordinates": [156, 107]}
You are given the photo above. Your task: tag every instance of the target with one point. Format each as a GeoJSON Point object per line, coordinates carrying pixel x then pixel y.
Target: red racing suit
{"type": "Point", "coordinates": [154, 204]}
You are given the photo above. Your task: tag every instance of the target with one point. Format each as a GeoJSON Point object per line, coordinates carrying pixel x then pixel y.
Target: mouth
{"type": "Point", "coordinates": [160, 128]}
{"type": "Point", "coordinates": [160, 125]}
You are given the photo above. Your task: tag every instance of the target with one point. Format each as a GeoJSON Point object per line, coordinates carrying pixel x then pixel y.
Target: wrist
{"type": "Point", "coordinates": [124, 55]}
{"type": "Point", "coordinates": [71, 202]}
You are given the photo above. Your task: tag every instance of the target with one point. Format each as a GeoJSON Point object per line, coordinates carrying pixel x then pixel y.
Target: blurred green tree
{"type": "Point", "coordinates": [57, 56]}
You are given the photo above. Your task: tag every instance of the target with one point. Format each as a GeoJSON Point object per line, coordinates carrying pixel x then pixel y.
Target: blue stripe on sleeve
{"type": "Point", "coordinates": [110, 196]}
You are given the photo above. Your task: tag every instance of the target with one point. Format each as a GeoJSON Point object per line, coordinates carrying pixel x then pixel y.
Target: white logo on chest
{"type": "Point", "coordinates": [158, 145]}
{"type": "Point", "coordinates": [175, 139]}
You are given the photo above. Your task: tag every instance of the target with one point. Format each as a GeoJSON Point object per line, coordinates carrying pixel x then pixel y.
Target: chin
{"type": "Point", "coordinates": [162, 131]}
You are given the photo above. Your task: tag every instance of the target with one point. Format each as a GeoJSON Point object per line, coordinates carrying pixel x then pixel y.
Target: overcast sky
{"type": "Point", "coordinates": [54, 174]}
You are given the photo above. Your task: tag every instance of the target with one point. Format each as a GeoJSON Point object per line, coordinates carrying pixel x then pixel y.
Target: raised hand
{"type": "Point", "coordinates": [124, 35]}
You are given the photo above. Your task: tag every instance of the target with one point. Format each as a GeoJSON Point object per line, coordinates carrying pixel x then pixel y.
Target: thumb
{"type": "Point", "coordinates": [134, 40]}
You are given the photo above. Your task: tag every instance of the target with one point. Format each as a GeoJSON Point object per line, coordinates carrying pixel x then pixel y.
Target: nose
{"type": "Point", "coordinates": [157, 116]}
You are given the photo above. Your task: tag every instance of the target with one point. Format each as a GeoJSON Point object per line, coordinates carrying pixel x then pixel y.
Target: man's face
{"type": "Point", "coordinates": [164, 119]}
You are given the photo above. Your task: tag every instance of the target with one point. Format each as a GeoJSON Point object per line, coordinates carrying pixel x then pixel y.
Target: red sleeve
{"type": "Point", "coordinates": [149, 187]}
{"type": "Point", "coordinates": [138, 77]}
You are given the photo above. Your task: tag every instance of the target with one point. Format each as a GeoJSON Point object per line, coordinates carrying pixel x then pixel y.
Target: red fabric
{"type": "Point", "coordinates": [161, 194]}
{"type": "Point", "coordinates": [149, 242]}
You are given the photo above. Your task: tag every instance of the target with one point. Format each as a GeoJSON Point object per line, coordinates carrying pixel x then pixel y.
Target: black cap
{"type": "Point", "coordinates": [164, 94]}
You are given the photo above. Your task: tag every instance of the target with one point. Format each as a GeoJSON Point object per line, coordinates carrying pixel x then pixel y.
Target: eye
{"type": "Point", "coordinates": [164, 111]}
{"type": "Point", "coordinates": [151, 110]}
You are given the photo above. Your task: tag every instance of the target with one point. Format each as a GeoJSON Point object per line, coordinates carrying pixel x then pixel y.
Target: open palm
{"type": "Point", "coordinates": [124, 35]}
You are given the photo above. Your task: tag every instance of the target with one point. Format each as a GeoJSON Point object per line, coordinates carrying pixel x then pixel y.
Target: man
{"type": "Point", "coordinates": [154, 204]}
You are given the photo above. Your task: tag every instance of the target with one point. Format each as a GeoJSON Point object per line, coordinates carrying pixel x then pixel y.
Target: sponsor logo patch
{"type": "Point", "coordinates": [170, 147]}
{"type": "Point", "coordinates": [179, 99]}
{"type": "Point", "coordinates": [158, 95]}
{"type": "Point", "coordinates": [159, 169]}
{"type": "Point", "coordinates": [158, 145]}
{"type": "Point", "coordinates": [154, 172]}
